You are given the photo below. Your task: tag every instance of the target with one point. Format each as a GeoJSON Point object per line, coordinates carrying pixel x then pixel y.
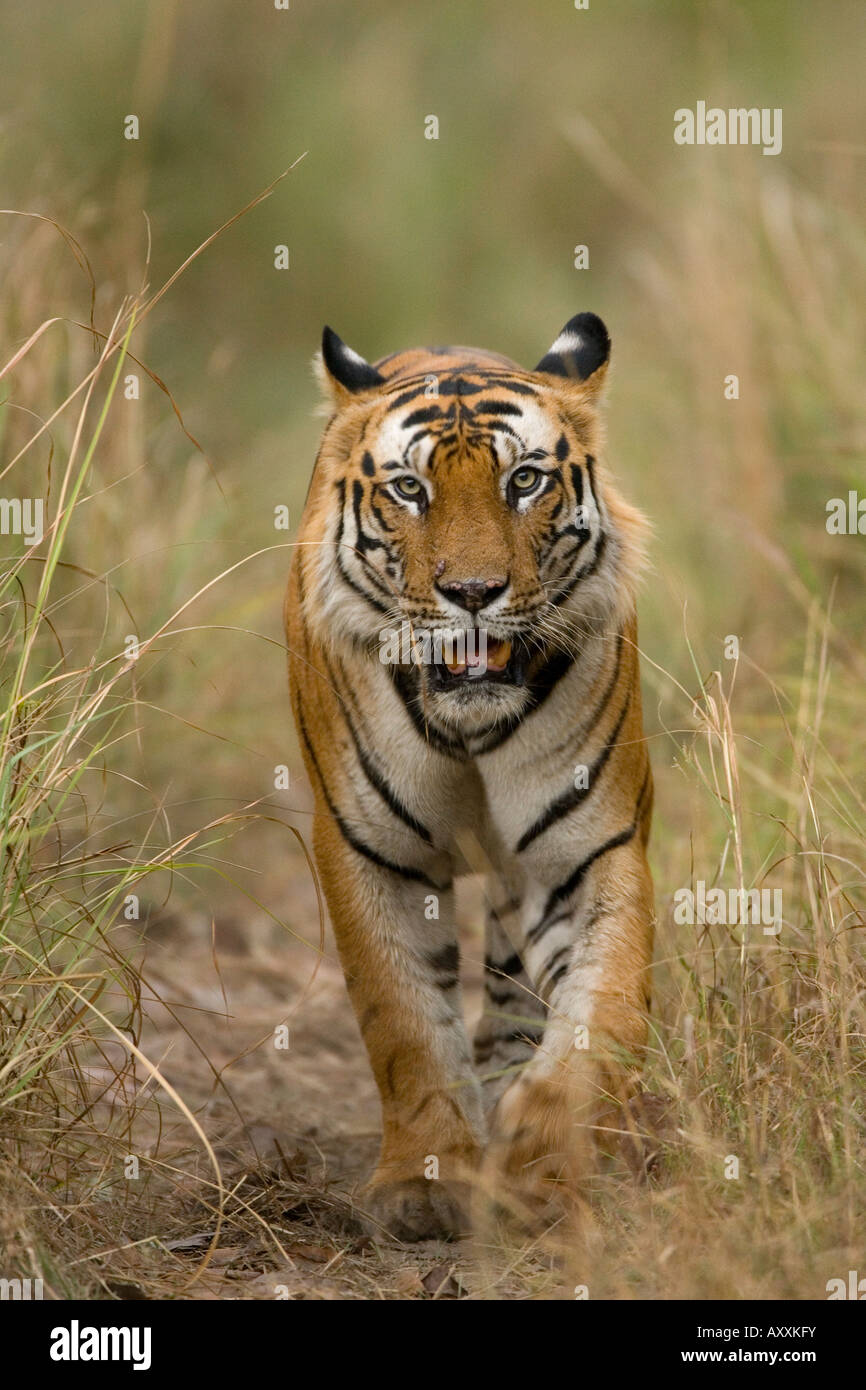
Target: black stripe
{"type": "Point", "coordinates": [406, 681]}
{"type": "Point", "coordinates": [573, 798]}
{"type": "Point", "coordinates": [423, 433]}
{"type": "Point", "coordinates": [574, 879]}
{"type": "Point", "coordinates": [387, 793]}
{"type": "Point", "coordinates": [363, 542]}
{"type": "Point", "coordinates": [349, 835]}
{"type": "Point", "coordinates": [541, 685]}
{"type": "Point", "coordinates": [481, 436]}
{"type": "Point", "coordinates": [512, 967]}
{"type": "Point", "coordinates": [577, 484]}
{"type": "Point", "coordinates": [376, 779]}
{"type": "Point", "coordinates": [497, 408]}
{"type": "Point", "coordinates": [485, 1049]}
{"type": "Point", "coordinates": [500, 996]}
{"type": "Point", "coordinates": [556, 974]}
{"type": "Point", "coordinates": [405, 397]}
{"type": "Point", "coordinates": [643, 811]}
{"type": "Point", "coordinates": [446, 963]}
{"type": "Point", "coordinates": [411, 387]}
{"type": "Point", "coordinates": [520, 387]}
{"type": "Point", "coordinates": [347, 579]}
{"type": "Point", "coordinates": [344, 575]}
{"type": "Point", "coordinates": [545, 681]}
{"type": "Point", "coordinates": [590, 569]}
{"type": "Point", "coordinates": [457, 383]}
{"type": "Point", "coordinates": [447, 959]}
{"type": "Point", "coordinates": [572, 529]}
{"type": "Point", "coordinates": [377, 512]}
{"type": "Point", "coordinates": [586, 731]}
{"type": "Point", "coordinates": [644, 785]}
{"type": "Point", "coordinates": [570, 555]}
{"type": "Point", "coordinates": [422, 417]}
{"type": "Point", "coordinates": [601, 544]}
{"type": "Point", "coordinates": [302, 598]}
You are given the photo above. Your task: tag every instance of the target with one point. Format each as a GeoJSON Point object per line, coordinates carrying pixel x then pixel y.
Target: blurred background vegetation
{"type": "Point", "coordinates": [555, 130]}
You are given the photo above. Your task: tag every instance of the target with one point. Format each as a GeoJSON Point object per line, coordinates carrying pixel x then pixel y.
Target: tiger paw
{"type": "Point", "coordinates": [414, 1209]}
{"type": "Point", "coordinates": [537, 1152]}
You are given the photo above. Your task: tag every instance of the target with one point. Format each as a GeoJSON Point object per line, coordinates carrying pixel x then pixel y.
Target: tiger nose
{"type": "Point", "coordinates": [473, 594]}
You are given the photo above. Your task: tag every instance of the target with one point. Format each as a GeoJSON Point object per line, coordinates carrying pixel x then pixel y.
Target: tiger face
{"type": "Point", "coordinates": [468, 527]}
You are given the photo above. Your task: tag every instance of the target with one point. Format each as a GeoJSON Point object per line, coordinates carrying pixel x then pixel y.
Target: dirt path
{"type": "Point", "coordinates": [298, 1124]}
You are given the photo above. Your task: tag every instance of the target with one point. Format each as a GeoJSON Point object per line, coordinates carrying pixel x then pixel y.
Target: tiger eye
{"type": "Point", "coordinates": [525, 478]}
{"type": "Point", "coordinates": [408, 486]}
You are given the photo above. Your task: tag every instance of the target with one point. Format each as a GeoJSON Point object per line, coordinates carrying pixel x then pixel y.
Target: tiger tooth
{"type": "Point", "coordinates": [498, 656]}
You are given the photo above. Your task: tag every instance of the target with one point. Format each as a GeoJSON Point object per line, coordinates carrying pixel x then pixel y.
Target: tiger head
{"type": "Point", "coordinates": [466, 527]}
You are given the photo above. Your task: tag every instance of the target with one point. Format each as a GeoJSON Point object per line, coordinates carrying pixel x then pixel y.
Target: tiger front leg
{"type": "Point", "coordinates": [398, 947]}
{"type": "Point", "coordinates": [512, 1022]}
{"type": "Point", "coordinates": [588, 952]}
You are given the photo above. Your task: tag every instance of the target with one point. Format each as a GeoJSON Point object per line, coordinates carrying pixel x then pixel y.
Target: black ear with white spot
{"type": "Point", "coordinates": [581, 351]}
{"type": "Point", "coordinates": [345, 367]}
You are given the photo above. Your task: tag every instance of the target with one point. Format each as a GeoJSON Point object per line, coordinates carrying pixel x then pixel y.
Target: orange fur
{"type": "Point", "coordinates": [401, 759]}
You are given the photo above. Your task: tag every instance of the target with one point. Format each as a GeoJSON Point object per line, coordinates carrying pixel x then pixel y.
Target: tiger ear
{"type": "Point", "coordinates": [580, 353]}
{"type": "Point", "coordinates": [342, 372]}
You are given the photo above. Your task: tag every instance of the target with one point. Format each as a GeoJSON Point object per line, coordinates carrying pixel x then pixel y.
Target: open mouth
{"type": "Point", "coordinates": [497, 660]}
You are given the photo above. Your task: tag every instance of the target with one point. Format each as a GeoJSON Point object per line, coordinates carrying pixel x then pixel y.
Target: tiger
{"type": "Point", "coordinates": [456, 494]}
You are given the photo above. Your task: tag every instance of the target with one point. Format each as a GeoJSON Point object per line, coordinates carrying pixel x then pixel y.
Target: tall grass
{"type": "Point", "coordinates": [84, 861]}
{"type": "Point", "coordinates": [759, 1038]}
